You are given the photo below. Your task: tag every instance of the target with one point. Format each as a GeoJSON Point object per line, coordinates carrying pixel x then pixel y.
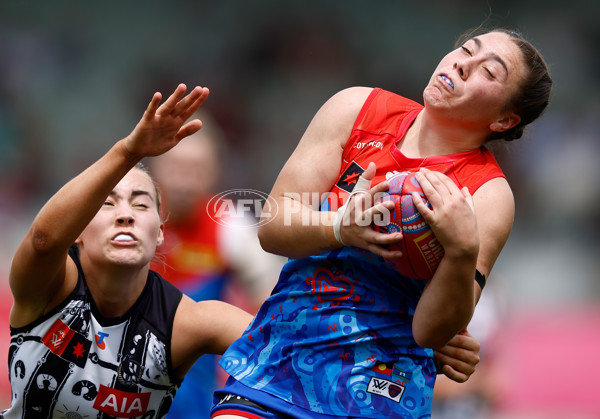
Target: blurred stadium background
{"type": "Point", "coordinates": [76, 76]}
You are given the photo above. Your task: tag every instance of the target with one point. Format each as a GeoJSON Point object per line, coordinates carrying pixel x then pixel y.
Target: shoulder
{"type": "Point", "coordinates": [495, 197]}
{"type": "Point", "coordinates": [353, 95]}
{"type": "Point", "coordinates": [344, 106]}
{"type": "Point", "coordinates": [495, 189]}
{"type": "Point", "coordinates": [335, 119]}
{"type": "Point", "coordinates": [163, 288]}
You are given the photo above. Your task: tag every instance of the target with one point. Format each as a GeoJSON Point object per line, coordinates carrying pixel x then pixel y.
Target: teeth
{"type": "Point", "coordinates": [448, 81]}
{"type": "Point", "coordinates": [124, 237]}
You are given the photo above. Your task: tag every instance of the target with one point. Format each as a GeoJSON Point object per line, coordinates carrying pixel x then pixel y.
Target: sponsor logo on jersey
{"type": "Point", "coordinates": [377, 144]}
{"type": "Point", "coordinates": [385, 388]}
{"type": "Point", "coordinates": [122, 404]}
{"type": "Point", "coordinates": [100, 343]}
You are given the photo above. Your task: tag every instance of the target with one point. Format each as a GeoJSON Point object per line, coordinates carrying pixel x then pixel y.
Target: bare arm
{"type": "Point", "coordinates": [205, 327]}
{"type": "Point", "coordinates": [473, 231]}
{"type": "Point", "coordinates": [299, 229]}
{"type": "Point", "coordinates": [41, 272]}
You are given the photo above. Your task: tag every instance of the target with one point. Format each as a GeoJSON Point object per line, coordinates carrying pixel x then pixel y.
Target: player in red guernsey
{"type": "Point", "coordinates": [342, 335]}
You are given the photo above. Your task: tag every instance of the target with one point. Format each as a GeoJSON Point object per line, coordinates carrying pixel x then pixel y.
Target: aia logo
{"type": "Point", "coordinates": [122, 404]}
{"type": "Point", "coordinates": [100, 343]}
{"type": "Point", "coordinates": [385, 388]}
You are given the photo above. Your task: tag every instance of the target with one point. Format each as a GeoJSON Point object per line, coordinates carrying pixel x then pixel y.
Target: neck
{"type": "Point", "coordinates": [430, 137]}
{"type": "Point", "coordinates": [115, 290]}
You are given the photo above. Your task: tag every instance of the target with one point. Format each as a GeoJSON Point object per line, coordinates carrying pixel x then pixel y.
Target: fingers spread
{"type": "Point", "coordinates": [188, 129]}
{"type": "Point", "coordinates": [169, 105]}
{"type": "Point", "coordinates": [152, 106]}
{"type": "Point", "coordinates": [201, 94]}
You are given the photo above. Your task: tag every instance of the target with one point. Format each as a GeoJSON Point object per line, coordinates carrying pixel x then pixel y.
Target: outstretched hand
{"type": "Point", "coordinates": [457, 360]}
{"type": "Point", "coordinates": [163, 125]}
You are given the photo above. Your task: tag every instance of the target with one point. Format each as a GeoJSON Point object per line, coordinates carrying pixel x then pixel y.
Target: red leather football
{"type": "Point", "coordinates": [421, 250]}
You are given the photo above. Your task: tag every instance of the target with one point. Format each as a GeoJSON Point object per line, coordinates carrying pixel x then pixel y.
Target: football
{"type": "Point", "coordinates": [421, 250]}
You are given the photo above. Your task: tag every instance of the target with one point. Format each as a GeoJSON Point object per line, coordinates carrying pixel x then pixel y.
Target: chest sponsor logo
{"type": "Point", "coordinates": [100, 336]}
{"type": "Point", "coordinates": [377, 144]}
{"type": "Point", "coordinates": [385, 388]}
{"type": "Point", "coordinates": [122, 404]}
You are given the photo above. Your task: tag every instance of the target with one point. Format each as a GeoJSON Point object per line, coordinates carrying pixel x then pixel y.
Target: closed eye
{"type": "Point", "coordinates": [466, 50]}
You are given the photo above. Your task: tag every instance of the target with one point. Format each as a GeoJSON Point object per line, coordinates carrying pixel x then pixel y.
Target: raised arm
{"type": "Point", "coordinates": [473, 231]}
{"type": "Point", "coordinates": [41, 273]}
{"type": "Point", "coordinates": [299, 229]}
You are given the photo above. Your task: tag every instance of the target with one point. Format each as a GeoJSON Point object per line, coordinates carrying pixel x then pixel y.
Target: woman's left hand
{"type": "Point", "coordinates": [452, 214]}
{"type": "Point", "coordinates": [162, 127]}
{"type": "Point", "coordinates": [458, 358]}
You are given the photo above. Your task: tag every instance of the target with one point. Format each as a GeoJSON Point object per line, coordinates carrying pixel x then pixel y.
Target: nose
{"type": "Point", "coordinates": [125, 216]}
{"type": "Point", "coordinates": [125, 220]}
{"type": "Point", "coordinates": [461, 68]}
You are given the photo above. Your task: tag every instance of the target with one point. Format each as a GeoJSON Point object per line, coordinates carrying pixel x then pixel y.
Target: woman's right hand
{"type": "Point", "coordinates": [162, 127]}
{"type": "Point", "coordinates": [353, 225]}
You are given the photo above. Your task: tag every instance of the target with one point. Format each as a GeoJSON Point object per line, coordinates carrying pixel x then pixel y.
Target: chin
{"type": "Point", "coordinates": [129, 258]}
{"type": "Point", "coordinates": [432, 97]}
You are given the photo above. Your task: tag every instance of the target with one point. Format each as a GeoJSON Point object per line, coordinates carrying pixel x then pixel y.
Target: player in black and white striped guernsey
{"type": "Point", "coordinates": [94, 332]}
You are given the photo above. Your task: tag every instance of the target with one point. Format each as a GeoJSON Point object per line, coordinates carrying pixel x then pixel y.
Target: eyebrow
{"type": "Point", "coordinates": [135, 193]}
{"type": "Point", "coordinates": [494, 56]}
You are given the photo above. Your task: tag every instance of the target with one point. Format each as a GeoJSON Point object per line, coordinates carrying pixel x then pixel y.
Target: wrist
{"type": "Point", "coordinates": [127, 154]}
{"type": "Point", "coordinates": [462, 254]}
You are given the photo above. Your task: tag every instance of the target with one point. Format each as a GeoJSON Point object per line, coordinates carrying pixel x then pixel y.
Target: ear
{"type": "Point", "coordinates": [161, 235]}
{"type": "Point", "coordinates": [506, 123]}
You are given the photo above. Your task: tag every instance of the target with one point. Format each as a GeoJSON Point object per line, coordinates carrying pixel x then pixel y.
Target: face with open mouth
{"type": "Point", "coordinates": [477, 80]}
{"type": "Point", "coordinates": [127, 228]}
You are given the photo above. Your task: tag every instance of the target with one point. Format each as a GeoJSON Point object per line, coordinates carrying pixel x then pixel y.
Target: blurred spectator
{"type": "Point", "coordinates": [204, 259]}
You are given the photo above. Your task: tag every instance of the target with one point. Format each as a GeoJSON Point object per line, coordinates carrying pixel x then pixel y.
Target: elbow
{"type": "Point", "coordinates": [431, 340]}
{"type": "Point", "coordinates": [265, 238]}
{"type": "Point", "coordinates": [41, 240]}
{"type": "Point", "coordinates": [429, 335]}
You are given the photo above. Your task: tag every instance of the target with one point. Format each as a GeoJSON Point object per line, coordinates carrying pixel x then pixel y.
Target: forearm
{"type": "Point", "coordinates": [297, 230]}
{"type": "Point", "coordinates": [447, 303]}
{"type": "Point", "coordinates": [68, 212]}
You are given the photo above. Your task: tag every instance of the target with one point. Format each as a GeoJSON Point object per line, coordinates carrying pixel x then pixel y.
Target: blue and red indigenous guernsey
{"type": "Point", "coordinates": [335, 336]}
